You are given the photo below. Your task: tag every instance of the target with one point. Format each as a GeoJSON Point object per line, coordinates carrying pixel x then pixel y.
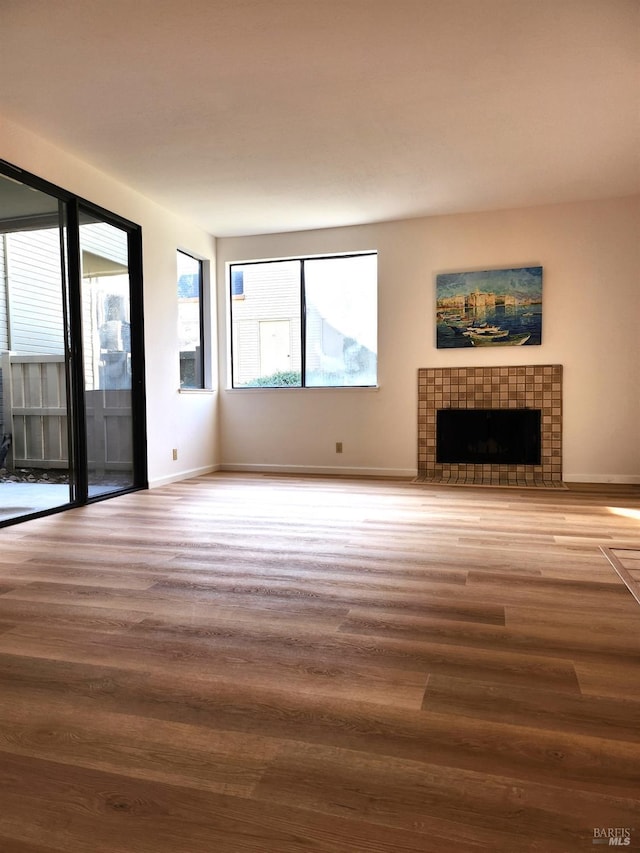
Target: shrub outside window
{"type": "Point", "coordinates": [305, 322]}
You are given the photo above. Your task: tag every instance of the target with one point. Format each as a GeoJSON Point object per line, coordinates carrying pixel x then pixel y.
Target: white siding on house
{"type": "Point", "coordinates": [35, 292]}
{"type": "Point", "coordinates": [246, 351]}
{"type": "Point", "coordinates": [105, 241]}
{"type": "Point", "coordinates": [4, 322]}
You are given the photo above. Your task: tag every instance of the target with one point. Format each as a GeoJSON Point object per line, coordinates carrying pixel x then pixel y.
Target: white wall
{"type": "Point", "coordinates": [590, 253]}
{"type": "Point", "coordinates": [591, 256]}
{"type": "Point", "coordinates": [186, 421]}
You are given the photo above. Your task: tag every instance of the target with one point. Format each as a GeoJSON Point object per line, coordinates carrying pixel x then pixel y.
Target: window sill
{"type": "Point", "coordinates": [196, 390]}
{"type": "Point", "coordinates": [262, 388]}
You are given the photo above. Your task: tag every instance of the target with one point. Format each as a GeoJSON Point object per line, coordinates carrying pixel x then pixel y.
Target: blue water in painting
{"type": "Point", "coordinates": [517, 319]}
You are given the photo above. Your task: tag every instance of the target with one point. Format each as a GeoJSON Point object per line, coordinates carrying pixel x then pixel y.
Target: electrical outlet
{"type": "Point", "coordinates": [174, 454]}
{"type": "Point", "coordinates": [338, 447]}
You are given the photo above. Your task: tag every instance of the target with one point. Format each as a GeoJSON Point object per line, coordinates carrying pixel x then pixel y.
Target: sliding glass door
{"type": "Point", "coordinates": [106, 344]}
{"type": "Point", "coordinates": [36, 466]}
{"type": "Point", "coordinates": [72, 424]}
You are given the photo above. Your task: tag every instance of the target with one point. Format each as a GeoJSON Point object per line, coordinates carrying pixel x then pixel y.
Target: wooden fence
{"type": "Point", "coordinates": [35, 413]}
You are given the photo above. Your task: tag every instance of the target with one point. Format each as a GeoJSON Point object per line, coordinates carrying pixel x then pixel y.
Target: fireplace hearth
{"type": "Point", "coordinates": [490, 425]}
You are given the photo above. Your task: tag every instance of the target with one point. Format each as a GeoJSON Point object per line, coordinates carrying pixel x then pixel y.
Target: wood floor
{"type": "Point", "coordinates": [238, 664]}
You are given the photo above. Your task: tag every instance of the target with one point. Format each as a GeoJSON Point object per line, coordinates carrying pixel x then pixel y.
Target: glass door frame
{"type": "Point", "coordinates": [76, 208]}
{"type": "Point", "coordinates": [71, 207]}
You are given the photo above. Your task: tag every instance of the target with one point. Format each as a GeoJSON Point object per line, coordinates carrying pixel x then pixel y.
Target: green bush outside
{"type": "Point", "coordinates": [276, 380]}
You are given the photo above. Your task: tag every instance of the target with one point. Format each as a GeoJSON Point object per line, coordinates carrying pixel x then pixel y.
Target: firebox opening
{"type": "Point", "coordinates": [488, 436]}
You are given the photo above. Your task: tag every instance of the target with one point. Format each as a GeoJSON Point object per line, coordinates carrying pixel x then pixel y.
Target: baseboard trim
{"type": "Point", "coordinates": [620, 479]}
{"type": "Point", "coordinates": [320, 470]}
{"type": "Point", "coordinates": [352, 471]}
{"type": "Point", "coordinates": [183, 475]}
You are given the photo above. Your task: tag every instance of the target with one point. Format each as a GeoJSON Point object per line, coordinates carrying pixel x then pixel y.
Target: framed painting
{"type": "Point", "coordinates": [489, 308]}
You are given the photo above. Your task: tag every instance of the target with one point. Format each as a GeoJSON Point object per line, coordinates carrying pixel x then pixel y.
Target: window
{"type": "Point", "coordinates": [305, 322]}
{"type": "Point", "coordinates": [190, 321]}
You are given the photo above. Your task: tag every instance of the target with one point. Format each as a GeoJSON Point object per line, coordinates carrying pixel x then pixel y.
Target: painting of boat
{"type": "Point", "coordinates": [463, 329]}
{"type": "Point", "coordinates": [501, 307]}
{"type": "Point", "coordinates": [506, 340]}
{"type": "Point", "coordinates": [488, 333]}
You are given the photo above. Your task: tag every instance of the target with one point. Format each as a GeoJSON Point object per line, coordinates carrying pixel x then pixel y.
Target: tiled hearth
{"type": "Point", "coordinates": [534, 386]}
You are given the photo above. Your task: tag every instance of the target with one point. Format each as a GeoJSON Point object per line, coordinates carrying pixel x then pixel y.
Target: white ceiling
{"type": "Point", "coordinates": [253, 116]}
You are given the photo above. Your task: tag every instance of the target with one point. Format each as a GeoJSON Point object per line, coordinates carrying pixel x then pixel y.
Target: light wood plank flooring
{"type": "Point", "coordinates": [238, 664]}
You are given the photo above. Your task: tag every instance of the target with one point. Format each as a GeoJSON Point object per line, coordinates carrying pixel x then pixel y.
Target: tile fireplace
{"type": "Point", "coordinates": [532, 388]}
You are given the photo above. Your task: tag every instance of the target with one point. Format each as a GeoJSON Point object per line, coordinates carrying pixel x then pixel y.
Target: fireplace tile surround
{"type": "Point", "coordinates": [528, 386]}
